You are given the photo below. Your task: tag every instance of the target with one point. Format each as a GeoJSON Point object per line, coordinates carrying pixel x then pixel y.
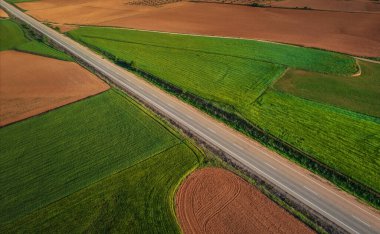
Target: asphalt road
{"type": "Point", "coordinates": [310, 189]}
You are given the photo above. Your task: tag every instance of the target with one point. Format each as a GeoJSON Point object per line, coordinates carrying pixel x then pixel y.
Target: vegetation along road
{"type": "Point", "coordinates": [335, 205]}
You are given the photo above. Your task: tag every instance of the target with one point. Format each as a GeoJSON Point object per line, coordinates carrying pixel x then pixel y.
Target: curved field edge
{"type": "Point", "coordinates": [16, 36]}
{"type": "Point", "coordinates": [359, 93]}
{"type": "Point", "coordinates": [96, 128]}
{"type": "Point", "coordinates": [138, 199]}
{"type": "Point", "coordinates": [240, 123]}
{"type": "Point", "coordinates": [237, 205]}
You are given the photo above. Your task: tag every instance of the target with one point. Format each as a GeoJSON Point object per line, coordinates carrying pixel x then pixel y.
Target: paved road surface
{"type": "Point", "coordinates": [314, 192]}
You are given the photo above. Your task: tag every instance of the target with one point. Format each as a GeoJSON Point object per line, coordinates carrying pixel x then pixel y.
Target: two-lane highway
{"type": "Point", "coordinates": [313, 191]}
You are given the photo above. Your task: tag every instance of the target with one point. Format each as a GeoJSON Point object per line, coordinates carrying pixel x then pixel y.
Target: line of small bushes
{"type": "Point", "coordinates": [360, 190]}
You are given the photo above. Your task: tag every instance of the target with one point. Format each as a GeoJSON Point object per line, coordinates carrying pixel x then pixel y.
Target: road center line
{"type": "Point", "coordinates": [238, 146]}
{"type": "Point", "coordinates": [271, 166]}
{"type": "Point", "coordinates": [310, 190]}
{"type": "Point", "coordinates": [361, 220]}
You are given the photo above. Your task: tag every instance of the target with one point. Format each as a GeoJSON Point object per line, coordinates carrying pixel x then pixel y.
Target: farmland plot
{"type": "Point", "coordinates": [51, 156]}
{"type": "Point", "coordinates": [12, 37]}
{"type": "Point", "coordinates": [237, 73]}
{"type": "Point", "coordinates": [356, 93]}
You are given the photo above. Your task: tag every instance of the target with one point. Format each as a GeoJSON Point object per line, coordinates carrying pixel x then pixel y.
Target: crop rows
{"type": "Point", "coordinates": [53, 155]}
{"type": "Point", "coordinates": [335, 137]}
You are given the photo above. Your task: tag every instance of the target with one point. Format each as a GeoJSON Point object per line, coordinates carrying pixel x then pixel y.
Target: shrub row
{"type": "Point", "coordinates": [232, 119]}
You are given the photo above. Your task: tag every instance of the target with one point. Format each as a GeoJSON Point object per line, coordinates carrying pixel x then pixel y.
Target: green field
{"type": "Point", "coordinates": [339, 138]}
{"type": "Point", "coordinates": [235, 73]}
{"type": "Point", "coordinates": [17, 1]}
{"type": "Point", "coordinates": [290, 56]}
{"type": "Point", "coordinates": [49, 159]}
{"type": "Point", "coordinates": [12, 37]}
{"type": "Point", "coordinates": [138, 199]}
{"type": "Point", "coordinates": [360, 94]}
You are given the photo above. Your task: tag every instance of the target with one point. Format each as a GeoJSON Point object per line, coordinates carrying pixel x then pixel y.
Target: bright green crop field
{"type": "Point", "coordinates": [360, 94]}
{"type": "Point", "coordinates": [289, 56]}
{"type": "Point", "coordinates": [13, 37]}
{"type": "Point", "coordinates": [344, 140]}
{"type": "Point", "coordinates": [138, 199]}
{"type": "Point", "coordinates": [237, 73]}
{"type": "Point", "coordinates": [56, 167]}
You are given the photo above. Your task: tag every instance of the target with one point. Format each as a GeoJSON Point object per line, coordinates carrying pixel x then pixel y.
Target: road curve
{"type": "Point", "coordinates": [310, 189]}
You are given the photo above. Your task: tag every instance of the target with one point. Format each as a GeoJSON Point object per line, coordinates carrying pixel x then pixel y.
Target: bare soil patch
{"type": "Point", "coordinates": [3, 14]}
{"type": "Point", "coordinates": [352, 33]}
{"type": "Point", "coordinates": [31, 84]}
{"type": "Point", "coordinates": [214, 200]}
{"type": "Point", "coordinates": [333, 5]}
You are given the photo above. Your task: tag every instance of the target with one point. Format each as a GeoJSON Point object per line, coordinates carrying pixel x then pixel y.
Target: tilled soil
{"type": "Point", "coordinates": [214, 200]}
{"type": "Point", "coordinates": [31, 84]}
{"type": "Point", "coordinates": [351, 33]}
{"type": "Point", "coordinates": [3, 14]}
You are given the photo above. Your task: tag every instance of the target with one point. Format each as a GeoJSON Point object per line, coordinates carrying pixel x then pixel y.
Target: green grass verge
{"type": "Point", "coordinates": [12, 36]}
{"type": "Point", "coordinates": [36, 47]}
{"type": "Point", "coordinates": [360, 94]}
{"type": "Point", "coordinates": [162, 59]}
{"type": "Point", "coordinates": [138, 199]}
{"type": "Point", "coordinates": [53, 155]}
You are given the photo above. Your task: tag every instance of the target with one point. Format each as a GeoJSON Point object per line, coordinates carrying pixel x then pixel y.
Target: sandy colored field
{"type": "Point", "coordinates": [214, 200]}
{"type": "Point", "coordinates": [3, 14]}
{"type": "Point", "coordinates": [32, 84]}
{"type": "Point", "coordinates": [352, 33]}
{"type": "Point", "coordinates": [334, 5]}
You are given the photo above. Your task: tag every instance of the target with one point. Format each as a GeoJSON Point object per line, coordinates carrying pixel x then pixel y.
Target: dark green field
{"type": "Point", "coordinates": [360, 94]}
{"type": "Point", "coordinates": [12, 37]}
{"type": "Point", "coordinates": [78, 165]}
{"type": "Point", "coordinates": [237, 73]}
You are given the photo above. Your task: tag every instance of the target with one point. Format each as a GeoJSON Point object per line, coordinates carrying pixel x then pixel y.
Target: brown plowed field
{"type": "Point", "coordinates": [214, 200]}
{"type": "Point", "coordinates": [352, 33]}
{"type": "Point", "coordinates": [3, 14]}
{"type": "Point", "coordinates": [31, 84]}
{"type": "Point", "coordinates": [334, 5]}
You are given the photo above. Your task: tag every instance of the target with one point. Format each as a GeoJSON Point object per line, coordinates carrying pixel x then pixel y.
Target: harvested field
{"type": "Point", "coordinates": [332, 5]}
{"type": "Point", "coordinates": [214, 200]}
{"type": "Point", "coordinates": [352, 33]}
{"type": "Point", "coordinates": [3, 14]}
{"type": "Point", "coordinates": [54, 83]}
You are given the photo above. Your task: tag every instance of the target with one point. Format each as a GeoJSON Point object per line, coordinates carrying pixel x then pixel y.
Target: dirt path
{"type": "Point", "coordinates": [214, 200]}
{"type": "Point", "coordinates": [32, 84]}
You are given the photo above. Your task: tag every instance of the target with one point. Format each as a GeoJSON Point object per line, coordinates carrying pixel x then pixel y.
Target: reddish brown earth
{"type": "Point", "coordinates": [31, 84]}
{"type": "Point", "coordinates": [352, 33]}
{"type": "Point", "coordinates": [214, 200]}
{"type": "Point", "coordinates": [333, 5]}
{"type": "Point", "coordinates": [3, 14]}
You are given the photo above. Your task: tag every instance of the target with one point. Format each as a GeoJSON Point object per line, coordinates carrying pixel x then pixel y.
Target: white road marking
{"type": "Point", "coordinates": [211, 130]}
{"type": "Point", "coordinates": [238, 146]}
{"type": "Point", "coordinates": [271, 166]}
{"type": "Point", "coordinates": [237, 156]}
{"type": "Point", "coordinates": [361, 220]}
{"type": "Point", "coordinates": [310, 190]}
